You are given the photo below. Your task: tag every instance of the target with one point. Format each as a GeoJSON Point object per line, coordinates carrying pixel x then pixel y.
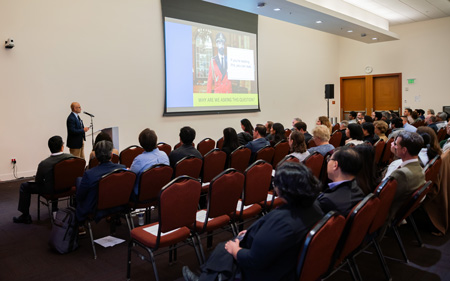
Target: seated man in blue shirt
{"type": "Point", "coordinates": [151, 156]}
{"type": "Point", "coordinates": [259, 141]}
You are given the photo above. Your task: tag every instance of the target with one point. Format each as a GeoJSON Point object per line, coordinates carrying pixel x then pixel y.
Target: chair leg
{"type": "Point", "coordinates": [92, 240]}
{"type": "Point", "coordinates": [416, 231]}
{"type": "Point", "coordinates": [198, 248]}
{"type": "Point", "coordinates": [377, 247]}
{"type": "Point", "coordinates": [128, 219]}
{"type": "Point", "coordinates": [50, 213]}
{"type": "Point", "coordinates": [355, 266]}
{"type": "Point", "coordinates": [400, 243]}
{"type": "Point", "coordinates": [152, 258]}
{"type": "Point", "coordinates": [39, 207]}
{"type": "Point", "coordinates": [352, 271]}
{"type": "Point", "coordinates": [130, 246]}
{"type": "Point", "coordinates": [209, 240]}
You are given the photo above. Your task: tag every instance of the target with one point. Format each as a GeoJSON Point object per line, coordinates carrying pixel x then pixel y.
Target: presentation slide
{"type": "Point", "coordinates": [209, 69]}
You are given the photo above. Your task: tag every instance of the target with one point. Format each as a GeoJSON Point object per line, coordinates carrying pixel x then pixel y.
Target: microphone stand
{"type": "Point", "coordinates": [92, 132]}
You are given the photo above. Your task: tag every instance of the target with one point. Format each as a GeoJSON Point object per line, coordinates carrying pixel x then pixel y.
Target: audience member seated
{"type": "Point", "coordinates": [295, 121]}
{"type": "Point", "coordinates": [230, 142]}
{"type": "Point", "coordinates": [247, 134]}
{"type": "Point", "coordinates": [386, 117]}
{"type": "Point", "coordinates": [302, 128]}
{"type": "Point", "coordinates": [410, 175]}
{"type": "Point", "coordinates": [396, 126]}
{"type": "Point", "coordinates": [367, 178]}
{"type": "Point", "coordinates": [298, 145]}
{"type": "Point", "coordinates": [369, 133]}
{"type": "Point", "coordinates": [430, 120]}
{"type": "Point", "coordinates": [441, 120]}
{"type": "Point", "coordinates": [376, 116]}
{"type": "Point", "coordinates": [258, 141]}
{"type": "Point", "coordinates": [352, 117]}
{"type": "Point", "coordinates": [102, 136]}
{"type": "Point", "coordinates": [278, 133]}
{"type": "Point", "coordinates": [408, 114]}
{"type": "Point", "coordinates": [187, 136]}
{"type": "Point", "coordinates": [421, 113]}
{"type": "Point", "coordinates": [381, 129]}
{"type": "Point", "coordinates": [366, 119]}
{"type": "Point", "coordinates": [446, 144]}
{"type": "Point", "coordinates": [407, 126]}
{"type": "Point", "coordinates": [431, 146]}
{"type": "Point", "coordinates": [151, 156]}
{"type": "Point", "coordinates": [343, 192]}
{"type": "Point", "coordinates": [43, 182]}
{"type": "Point", "coordinates": [360, 117]}
{"type": "Point", "coordinates": [415, 117]}
{"type": "Point", "coordinates": [342, 128]}
{"type": "Point", "coordinates": [323, 120]}
{"type": "Point", "coordinates": [430, 112]}
{"type": "Point", "coordinates": [354, 134]}
{"type": "Point", "coordinates": [87, 188]}
{"type": "Point", "coordinates": [269, 125]}
{"type": "Point", "coordinates": [321, 135]}
{"type": "Point", "coordinates": [269, 248]}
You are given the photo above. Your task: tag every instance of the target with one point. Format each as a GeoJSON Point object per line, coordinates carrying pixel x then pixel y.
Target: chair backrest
{"type": "Point", "coordinates": [114, 189]}
{"type": "Point", "coordinates": [167, 148]}
{"type": "Point", "coordinates": [386, 193]}
{"type": "Point", "coordinates": [287, 132]}
{"type": "Point", "coordinates": [128, 154]}
{"type": "Point", "coordinates": [66, 172]}
{"type": "Point", "coordinates": [152, 181]}
{"type": "Point", "coordinates": [314, 162]}
{"type": "Point", "coordinates": [357, 224]}
{"type": "Point", "coordinates": [320, 243]}
{"type": "Point", "coordinates": [288, 158]}
{"type": "Point", "coordinates": [219, 143]}
{"type": "Point", "coordinates": [413, 203]}
{"type": "Point", "coordinates": [336, 128]}
{"type": "Point", "coordinates": [178, 202]}
{"type": "Point", "coordinates": [213, 164]}
{"type": "Point", "coordinates": [206, 145]}
{"type": "Point", "coordinates": [311, 143]}
{"type": "Point", "coordinates": [441, 134]}
{"type": "Point", "coordinates": [93, 162]}
{"type": "Point", "coordinates": [115, 158]}
{"type": "Point", "coordinates": [179, 144]}
{"type": "Point", "coordinates": [378, 147]}
{"type": "Point", "coordinates": [258, 178]}
{"type": "Point", "coordinates": [266, 153]}
{"type": "Point", "coordinates": [189, 166]}
{"type": "Point", "coordinates": [239, 158]}
{"type": "Point", "coordinates": [281, 150]}
{"type": "Point", "coordinates": [335, 138]}
{"type": "Point", "coordinates": [224, 192]}
{"type": "Point", "coordinates": [387, 153]}
{"type": "Point", "coordinates": [431, 170]}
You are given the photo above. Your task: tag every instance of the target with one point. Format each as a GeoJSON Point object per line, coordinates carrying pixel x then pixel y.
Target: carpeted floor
{"type": "Point", "coordinates": [25, 255]}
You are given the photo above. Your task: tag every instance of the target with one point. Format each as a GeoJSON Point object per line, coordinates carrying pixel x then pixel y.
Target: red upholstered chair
{"type": "Point", "coordinates": [406, 213]}
{"type": "Point", "coordinates": [281, 150]}
{"type": "Point", "coordinates": [223, 194]}
{"type": "Point", "coordinates": [314, 162]}
{"type": "Point", "coordinates": [206, 145]}
{"type": "Point", "coordinates": [336, 128]}
{"type": "Point", "coordinates": [441, 133]}
{"type": "Point", "coordinates": [320, 243]}
{"type": "Point", "coordinates": [288, 158]}
{"type": "Point", "coordinates": [93, 162]}
{"type": "Point", "coordinates": [114, 190]}
{"type": "Point", "coordinates": [177, 209]}
{"type": "Point", "coordinates": [387, 153]}
{"type": "Point", "coordinates": [128, 154]}
{"type": "Point", "coordinates": [378, 147]}
{"type": "Point", "coordinates": [240, 158]}
{"type": "Point", "coordinates": [151, 181]}
{"type": "Point", "coordinates": [179, 144]}
{"type": "Point", "coordinates": [165, 147]}
{"type": "Point", "coordinates": [219, 143]}
{"type": "Point", "coordinates": [287, 132]}
{"type": "Point", "coordinates": [266, 153]}
{"type": "Point", "coordinates": [188, 166]}
{"type": "Point", "coordinates": [432, 169]}
{"type": "Point", "coordinates": [65, 174]}
{"type": "Point", "coordinates": [258, 178]}
{"type": "Point", "coordinates": [213, 164]}
{"type": "Point", "coordinates": [311, 143]}
{"type": "Point", "coordinates": [335, 138]}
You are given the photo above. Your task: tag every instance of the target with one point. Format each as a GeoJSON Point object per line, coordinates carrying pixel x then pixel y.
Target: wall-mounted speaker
{"type": "Point", "coordinates": [329, 91]}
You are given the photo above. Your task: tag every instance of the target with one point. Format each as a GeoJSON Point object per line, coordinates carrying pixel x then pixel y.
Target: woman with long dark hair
{"type": "Point", "coordinates": [354, 134]}
{"type": "Point", "coordinates": [247, 134]}
{"type": "Point", "coordinates": [278, 133]}
{"type": "Point", "coordinates": [298, 145]}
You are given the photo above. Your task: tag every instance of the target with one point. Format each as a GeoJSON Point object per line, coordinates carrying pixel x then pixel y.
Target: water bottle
{"type": "Point", "coordinates": [141, 218]}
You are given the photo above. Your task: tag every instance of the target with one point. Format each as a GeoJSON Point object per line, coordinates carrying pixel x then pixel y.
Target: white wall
{"type": "Point", "coordinates": [108, 55]}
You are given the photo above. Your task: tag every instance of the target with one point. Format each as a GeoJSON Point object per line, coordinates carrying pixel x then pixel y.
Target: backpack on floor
{"type": "Point", "coordinates": [64, 234]}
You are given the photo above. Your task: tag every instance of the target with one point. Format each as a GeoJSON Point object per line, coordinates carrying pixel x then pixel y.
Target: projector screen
{"type": "Point", "coordinates": [209, 69]}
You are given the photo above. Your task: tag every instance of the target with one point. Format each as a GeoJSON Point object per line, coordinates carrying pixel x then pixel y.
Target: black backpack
{"type": "Point", "coordinates": [64, 234]}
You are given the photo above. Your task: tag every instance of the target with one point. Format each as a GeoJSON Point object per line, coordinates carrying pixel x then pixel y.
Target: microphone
{"type": "Point", "coordinates": [87, 113]}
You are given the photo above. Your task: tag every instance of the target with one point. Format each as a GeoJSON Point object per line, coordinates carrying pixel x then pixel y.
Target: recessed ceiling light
{"type": "Point", "coordinates": [374, 38]}
{"type": "Point", "coordinates": [318, 21]}
{"type": "Point", "coordinates": [277, 9]}
{"type": "Point", "coordinates": [350, 31]}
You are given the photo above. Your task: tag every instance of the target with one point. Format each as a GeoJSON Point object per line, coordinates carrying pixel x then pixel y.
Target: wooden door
{"type": "Point", "coordinates": [371, 93]}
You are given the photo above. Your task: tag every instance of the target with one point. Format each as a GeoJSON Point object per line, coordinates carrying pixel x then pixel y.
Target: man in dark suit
{"type": "Point", "coordinates": [259, 141]}
{"type": "Point", "coordinates": [187, 136]}
{"type": "Point", "coordinates": [343, 193]}
{"type": "Point", "coordinates": [87, 188]}
{"type": "Point", "coordinates": [44, 179]}
{"type": "Point", "coordinates": [76, 131]}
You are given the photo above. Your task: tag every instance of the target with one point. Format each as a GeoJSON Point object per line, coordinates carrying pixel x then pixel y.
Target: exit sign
{"type": "Point", "coordinates": [411, 81]}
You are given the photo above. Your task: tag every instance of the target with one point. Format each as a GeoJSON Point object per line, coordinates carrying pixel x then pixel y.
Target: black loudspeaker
{"type": "Point", "coordinates": [329, 91]}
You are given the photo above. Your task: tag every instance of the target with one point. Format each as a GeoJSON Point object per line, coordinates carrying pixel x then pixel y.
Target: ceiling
{"type": "Point", "coordinates": [366, 21]}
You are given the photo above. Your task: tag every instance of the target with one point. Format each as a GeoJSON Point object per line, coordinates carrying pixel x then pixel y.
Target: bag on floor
{"type": "Point", "coordinates": [64, 234]}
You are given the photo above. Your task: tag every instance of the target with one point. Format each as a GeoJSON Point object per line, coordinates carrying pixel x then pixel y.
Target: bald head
{"type": "Point", "coordinates": [75, 107]}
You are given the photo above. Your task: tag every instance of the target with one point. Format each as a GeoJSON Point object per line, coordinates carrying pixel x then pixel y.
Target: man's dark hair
{"type": "Point", "coordinates": [261, 129]}
{"type": "Point", "coordinates": [353, 114]}
{"type": "Point", "coordinates": [356, 131]}
{"type": "Point", "coordinates": [420, 111]}
{"type": "Point", "coordinates": [412, 141]}
{"type": "Point", "coordinates": [148, 139]}
{"type": "Point", "coordinates": [397, 122]}
{"type": "Point", "coordinates": [367, 118]}
{"type": "Point", "coordinates": [378, 115]}
{"type": "Point", "coordinates": [102, 136]}
{"type": "Point", "coordinates": [348, 160]}
{"type": "Point", "coordinates": [369, 127]}
{"type": "Point", "coordinates": [409, 110]}
{"type": "Point", "coordinates": [103, 151]}
{"type": "Point", "coordinates": [300, 125]}
{"type": "Point", "coordinates": [55, 143]}
{"type": "Point", "coordinates": [187, 135]}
